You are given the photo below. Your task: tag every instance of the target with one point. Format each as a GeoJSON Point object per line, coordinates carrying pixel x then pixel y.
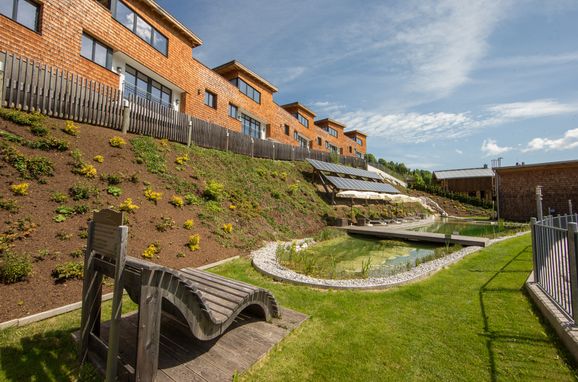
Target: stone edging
{"type": "Point", "coordinates": [265, 261]}
{"type": "Point", "coordinates": [77, 305]}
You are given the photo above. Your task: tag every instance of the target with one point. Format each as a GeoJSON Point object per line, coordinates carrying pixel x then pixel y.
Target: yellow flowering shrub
{"type": "Point", "coordinates": [194, 242]}
{"type": "Point", "coordinates": [128, 206]}
{"type": "Point", "coordinates": [87, 170]}
{"type": "Point", "coordinates": [177, 201]}
{"type": "Point", "coordinates": [70, 128]}
{"type": "Point", "coordinates": [20, 189]}
{"type": "Point", "coordinates": [232, 207]}
{"type": "Point", "coordinates": [188, 224]}
{"type": "Point", "coordinates": [153, 196]}
{"type": "Point", "coordinates": [182, 160]}
{"type": "Point", "coordinates": [98, 159]}
{"type": "Point", "coordinates": [116, 142]}
{"type": "Point", "coordinates": [151, 251]}
{"type": "Point", "coordinates": [227, 228]}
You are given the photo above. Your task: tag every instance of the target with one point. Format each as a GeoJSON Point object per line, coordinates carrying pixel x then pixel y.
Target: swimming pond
{"type": "Point", "coordinates": [471, 228]}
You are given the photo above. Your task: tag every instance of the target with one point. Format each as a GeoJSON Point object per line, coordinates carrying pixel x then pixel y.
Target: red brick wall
{"type": "Point", "coordinates": [517, 190]}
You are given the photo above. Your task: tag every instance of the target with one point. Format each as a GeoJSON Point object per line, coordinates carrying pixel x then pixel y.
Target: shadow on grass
{"type": "Point", "coordinates": [49, 356]}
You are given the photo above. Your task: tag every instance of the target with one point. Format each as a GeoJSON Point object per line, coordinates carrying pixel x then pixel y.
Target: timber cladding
{"type": "Point", "coordinates": [517, 189]}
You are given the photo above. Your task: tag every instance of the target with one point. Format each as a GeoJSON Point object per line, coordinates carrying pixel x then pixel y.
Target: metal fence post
{"type": "Point", "coordinates": [125, 115]}
{"type": "Point", "coordinates": [572, 242]}
{"type": "Point", "coordinates": [1, 83]}
{"type": "Point", "coordinates": [190, 133]}
{"type": "Point", "coordinates": [534, 250]}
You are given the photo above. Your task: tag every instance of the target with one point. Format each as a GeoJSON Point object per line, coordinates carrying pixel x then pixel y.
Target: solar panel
{"type": "Point", "coordinates": [361, 185]}
{"type": "Point", "coordinates": [339, 169]}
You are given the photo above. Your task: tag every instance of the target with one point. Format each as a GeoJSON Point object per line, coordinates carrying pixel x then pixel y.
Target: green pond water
{"type": "Point", "coordinates": [357, 257]}
{"type": "Point", "coordinates": [465, 228]}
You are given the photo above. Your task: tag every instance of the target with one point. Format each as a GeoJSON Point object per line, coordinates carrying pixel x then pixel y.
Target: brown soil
{"type": "Point", "coordinates": [453, 207]}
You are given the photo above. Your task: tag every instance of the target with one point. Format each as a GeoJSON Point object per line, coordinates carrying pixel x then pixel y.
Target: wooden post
{"type": "Point", "coordinates": [572, 252]}
{"type": "Point", "coordinates": [534, 249]}
{"type": "Point", "coordinates": [190, 133]}
{"type": "Point", "coordinates": [292, 153]}
{"type": "Point", "coordinates": [2, 83]}
{"type": "Point", "coordinates": [125, 116]}
{"type": "Point", "coordinates": [149, 323]}
{"type": "Point", "coordinates": [252, 147]}
{"type": "Point", "coordinates": [570, 206]}
{"type": "Point", "coordinates": [91, 297]}
{"type": "Point", "coordinates": [227, 141]}
{"type": "Point", "coordinates": [273, 151]}
{"type": "Point", "coordinates": [539, 210]}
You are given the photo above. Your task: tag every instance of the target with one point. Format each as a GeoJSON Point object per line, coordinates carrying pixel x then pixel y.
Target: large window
{"type": "Point", "coordinates": [359, 141]}
{"type": "Point", "coordinates": [301, 119]}
{"type": "Point", "coordinates": [330, 147]}
{"type": "Point", "coordinates": [251, 126]}
{"type": "Point", "coordinates": [130, 19]}
{"type": "Point", "coordinates": [331, 131]}
{"type": "Point", "coordinates": [24, 12]}
{"type": "Point", "coordinates": [287, 129]}
{"type": "Point", "coordinates": [233, 111]}
{"type": "Point", "coordinates": [247, 89]}
{"type": "Point", "coordinates": [302, 141]}
{"type": "Point", "coordinates": [143, 86]}
{"type": "Point", "coordinates": [96, 51]}
{"type": "Point", "coordinates": [210, 99]}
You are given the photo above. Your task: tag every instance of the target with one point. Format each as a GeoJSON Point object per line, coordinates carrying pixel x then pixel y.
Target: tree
{"type": "Point", "coordinates": [370, 158]}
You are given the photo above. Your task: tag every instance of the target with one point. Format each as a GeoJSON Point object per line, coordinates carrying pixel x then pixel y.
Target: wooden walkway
{"type": "Point", "coordinates": [391, 233]}
{"type": "Point", "coordinates": [182, 357]}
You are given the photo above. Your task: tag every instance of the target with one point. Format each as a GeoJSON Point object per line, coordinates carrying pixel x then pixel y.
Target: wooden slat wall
{"type": "Point", "coordinates": [32, 86]}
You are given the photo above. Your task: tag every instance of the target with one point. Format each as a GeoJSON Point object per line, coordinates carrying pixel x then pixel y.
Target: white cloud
{"type": "Point", "coordinates": [490, 148]}
{"type": "Point", "coordinates": [531, 109]}
{"type": "Point", "coordinates": [458, 151]}
{"type": "Point", "coordinates": [531, 61]}
{"type": "Point", "coordinates": [567, 142]}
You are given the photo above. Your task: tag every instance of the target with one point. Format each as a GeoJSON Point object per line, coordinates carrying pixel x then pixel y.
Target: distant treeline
{"type": "Point", "coordinates": [401, 171]}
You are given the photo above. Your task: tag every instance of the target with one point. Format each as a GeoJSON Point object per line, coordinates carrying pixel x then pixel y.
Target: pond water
{"type": "Point", "coordinates": [468, 228]}
{"type": "Point", "coordinates": [349, 257]}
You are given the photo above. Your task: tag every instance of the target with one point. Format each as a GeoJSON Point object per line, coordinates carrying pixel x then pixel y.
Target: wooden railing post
{"type": "Point", "coordinates": [125, 116]}
{"type": "Point", "coordinates": [190, 133]}
{"type": "Point", "coordinates": [1, 83]}
{"type": "Point", "coordinates": [572, 242]}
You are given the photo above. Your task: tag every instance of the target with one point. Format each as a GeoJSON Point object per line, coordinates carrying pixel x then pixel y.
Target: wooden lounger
{"type": "Point", "coordinates": [204, 303]}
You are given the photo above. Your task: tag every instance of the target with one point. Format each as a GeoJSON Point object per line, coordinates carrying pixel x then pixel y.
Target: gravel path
{"type": "Point", "coordinates": [265, 261]}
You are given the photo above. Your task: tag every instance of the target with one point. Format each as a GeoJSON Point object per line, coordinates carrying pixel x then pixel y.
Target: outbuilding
{"type": "Point", "coordinates": [474, 182]}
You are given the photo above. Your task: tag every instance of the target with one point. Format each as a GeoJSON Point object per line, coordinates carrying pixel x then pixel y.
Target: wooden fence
{"type": "Point", "coordinates": [32, 86]}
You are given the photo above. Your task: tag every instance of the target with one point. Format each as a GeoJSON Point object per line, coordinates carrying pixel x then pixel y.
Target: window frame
{"type": "Point", "coordinates": [94, 42]}
{"type": "Point", "coordinates": [135, 21]}
{"type": "Point", "coordinates": [14, 15]}
{"type": "Point", "coordinates": [287, 130]}
{"type": "Point", "coordinates": [301, 118]}
{"type": "Point", "coordinates": [241, 84]}
{"type": "Point", "coordinates": [211, 101]}
{"type": "Point", "coordinates": [250, 126]}
{"type": "Point", "coordinates": [164, 90]}
{"type": "Point", "coordinates": [233, 107]}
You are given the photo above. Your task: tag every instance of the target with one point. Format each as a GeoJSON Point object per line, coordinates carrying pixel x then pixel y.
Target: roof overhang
{"type": "Point", "coordinates": [236, 65]}
{"type": "Point", "coordinates": [300, 107]}
{"type": "Point", "coordinates": [191, 37]}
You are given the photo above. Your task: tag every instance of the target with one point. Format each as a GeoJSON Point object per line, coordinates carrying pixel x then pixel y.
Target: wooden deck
{"type": "Point", "coordinates": [391, 233]}
{"type": "Point", "coordinates": [182, 357]}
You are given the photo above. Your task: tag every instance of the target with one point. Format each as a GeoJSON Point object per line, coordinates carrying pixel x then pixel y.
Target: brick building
{"type": "Point", "coordinates": [517, 189]}
{"type": "Point", "coordinates": [139, 47]}
{"type": "Point", "coordinates": [474, 182]}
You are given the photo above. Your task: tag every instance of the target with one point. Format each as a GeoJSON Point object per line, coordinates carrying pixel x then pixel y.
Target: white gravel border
{"type": "Point", "coordinates": [265, 261]}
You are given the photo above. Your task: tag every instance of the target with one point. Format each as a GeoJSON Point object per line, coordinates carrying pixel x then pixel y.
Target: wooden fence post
{"type": "Point", "coordinates": [125, 116]}
{"type": "Point", "coordinates": [293, 153]}
{"type": "Point", "coordinates": [273, 151]}
{"type": "Point", "coordinates": [252, 147]}
{"type": "Point", "coordinates": [190, 133]}
{"type": "Point", "coordinates": [572, 252]}
{"type": "Point", "coordinates": [1, 83]}
{"type": "Point", "coordinates": [227, 141]}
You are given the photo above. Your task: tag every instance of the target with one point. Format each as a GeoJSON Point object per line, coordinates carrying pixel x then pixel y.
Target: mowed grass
{"type": "Point", "coordinates": [471, 322]}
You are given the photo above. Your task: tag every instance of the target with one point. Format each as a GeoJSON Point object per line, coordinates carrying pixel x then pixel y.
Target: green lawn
{"type": "Point", "coordinates": [471, 322]}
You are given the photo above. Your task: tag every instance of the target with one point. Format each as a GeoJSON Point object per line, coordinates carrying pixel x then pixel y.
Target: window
{"type": "Point", "coordinates": [359, 141]}
{"type": "Point", "coordinates": [301, 119]}
{"type": "Point", "coordinates": [330, 147]}
{"type": "Point", "coordinates": [233, 111]}
{"type": "Point", "coordinates": [247, 89]}
{"type": "Point", "coordinates": [251, 126]}
{"type": "Point", "coordinates": [287, 130]}
{"type": "Point", "coordinates": [137, 83]}
{"type": "Point", "coordinates": [331, 131]}
{"type": "Point", "coordinates": [96, 52]}
{"type": "Point", "coordinates": [319, 141]}
{"type": "Point", "coordinates": [137, 25]}
{"type": "Point", "coordinates": [350, 149]}
{"type": "Point", "coordinates": [303, 142]}
{"type": "Point", "coordinates": [210, 99]}
{"type": "Point", "coordinates": [24, 12]}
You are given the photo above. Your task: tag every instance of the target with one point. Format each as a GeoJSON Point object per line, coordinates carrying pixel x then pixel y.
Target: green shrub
{"type": "Point", "coordinates": [165, 224]}
{"type": "Point", "coordinates": [48, 144]}
{"type": "Point", "coordinates": [146, 151]}
{"type": "Point", "coordinates": [81, 191]}
{"type": "Point", "coordinates": [214, 191]}
{"type": "Point", "coordinates": [193, 199]}
{"type": "Point", "coordinates": [39, 131]}
{"type": "Point", "coordinates": [28, 168]}
{"type": "Point", "coordinates": [114, 191]}
{"type": "Point", "coordinates": [22, 118]}
{"type": "Point", "coordinates": [58, 197]}
{"type": "Point", "coordinates": [329, 233]}
{"type": "Point", "coordinates": [9, 205]}
{"type": "Point", "coordinates": [68, 271]}
{"type": "Point", "coordinates": [111, 179]}
{"type": "Point", "coordinates": [14, 268]}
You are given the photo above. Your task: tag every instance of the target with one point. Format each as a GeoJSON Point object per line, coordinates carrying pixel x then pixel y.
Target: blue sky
{"type": "Point", "coordinates": [435, 84]}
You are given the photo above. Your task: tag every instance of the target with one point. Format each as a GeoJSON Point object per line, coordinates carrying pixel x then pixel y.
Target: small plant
{"type": "Point", "coordinates": [117, 142]}
{"type": "Point", "coordinates": [283, 176]}
{"type": "Point", "coordinates": [128, 206]}
{"type": "Point", "coordinates": [214, 191]}
{"type": "Point", "coordinates": [188, 224]}
{"type": "Point", "coordinates": [177, 201]}
{"type": "Point", "coordinates": [9, 205]}
{"type": "Point", "coordinates": [193, 199]}
{"type": "Point", "coordinates": [22, 118]}
{"type": "Point", "coordinates": [165, 224]}
{"type": "Point", "coordinates": [83, 233]}
{"type": "Point", "coordinates": [194, 242]}
{"type": "Point", "coordinates": [275, 194]}
{"type": "Point", "coordinates": [14, 268]}
{"type": "Point", "coordinates": [77, 253]}
{"type": "Point", "coordinates": [87, 170]}
{"type": "Point", "coordinates": [58, 197]}
{"type": "Point", "coordinates": [81, 191]}
{"type": "Point", "coordinates": [164, 142]}
{"type": "Point", "coordinates": [111, 179]}
{"type": "Point", "coordinates": [39, 131]}
{"type": "Point", "coordinates": [20, 189]}
{"type": "Point", "coordinates": [70, 128]}
{"type": "Point", "coordinates": [182, 160]}
{"type": "Point", "coordinates": [151, 251]}
{"type": "Point", "coordinates": [232, 207]}
{"type": "Point", "coordinates": [98, 159]}
{"type": "Point", "coordinates": [293, 189]}
{"type": "Point", "coordinates": [59, 218]}
{"type": "Point", "coordinates": [63, 236]}
{"type": "Point", "coordinates": [114, 190]}
{"type": "Point", "coordinates": [153, 196]}
{"type": "Point", "coordinates": [227, 228]}
{"type": "Point", "coordinates": [180, 254]}
{"type": "Point", "coordinates": [68, 271]}
{"type": "Point", "coordinates": [48, 144]}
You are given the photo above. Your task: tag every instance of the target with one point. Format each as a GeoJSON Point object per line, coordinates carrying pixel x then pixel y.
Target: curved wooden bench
{"type": "Point", "coordinates": [205, 303]}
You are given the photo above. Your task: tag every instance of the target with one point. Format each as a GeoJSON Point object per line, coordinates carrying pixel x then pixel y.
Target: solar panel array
{"type": "Point", "coordinates": [339, 169]}
{"type": "Point", "coordinates": [361, 185]}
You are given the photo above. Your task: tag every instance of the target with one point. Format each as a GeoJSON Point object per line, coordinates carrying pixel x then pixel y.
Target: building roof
{"type": "Point", "coordinates": [236, 65]}
{"type": "Point", "coordinates": [354, 132]}
{"type": "Point", "coordinates": [193, 38]}
{"type": "Point", "coordinates": [537, 166]}
{"type": "Point", "coordinates": [299, 106]}
{"type": "Point", "coordinates": [464, 173]}
{"type": "Point", "coordinates": [328, 121]}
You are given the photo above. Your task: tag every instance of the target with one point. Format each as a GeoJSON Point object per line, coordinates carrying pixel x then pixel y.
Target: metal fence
{"type": "Point", "coordinates": [554, 250]}
{"type": "Point", "coordinates": [32, 86]}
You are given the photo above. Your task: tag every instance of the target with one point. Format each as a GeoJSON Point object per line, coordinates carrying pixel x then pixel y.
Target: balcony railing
{"type": "Point", "coordinates": [129, 89]}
